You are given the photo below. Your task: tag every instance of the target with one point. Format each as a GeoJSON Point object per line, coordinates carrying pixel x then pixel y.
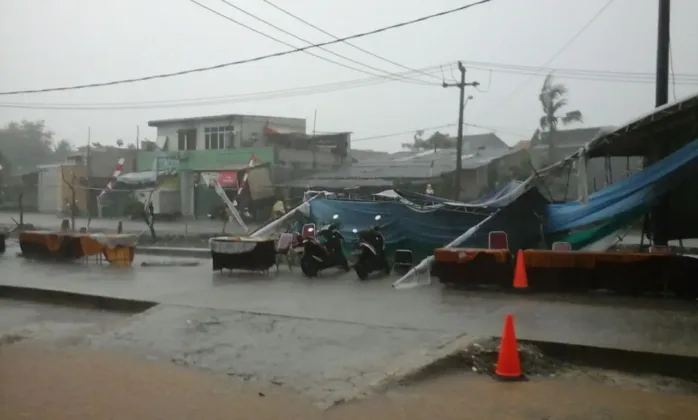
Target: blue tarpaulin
{"type": "Point", "coordinates": [403, 226]}
{"type": "Point", "coordinates": [409, 227]}
{"type": "Point", "coordinates": [629, 196]}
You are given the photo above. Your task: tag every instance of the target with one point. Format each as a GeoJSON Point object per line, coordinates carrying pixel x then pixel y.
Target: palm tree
{"type": "Point", "coordinates": [553, 98]}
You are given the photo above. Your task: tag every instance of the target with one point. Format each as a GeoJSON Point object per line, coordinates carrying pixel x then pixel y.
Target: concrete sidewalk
{"type": "Point", "coordinates": [44, 383]}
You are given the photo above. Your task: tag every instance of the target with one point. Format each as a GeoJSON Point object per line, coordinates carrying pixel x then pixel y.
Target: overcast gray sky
{"type": "Point", "coordinates": [49, 43]}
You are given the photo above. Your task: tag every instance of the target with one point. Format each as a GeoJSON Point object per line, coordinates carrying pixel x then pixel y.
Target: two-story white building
{"type": "Point", "coordinates": [224, 143]}
{"type": "Point", "coordinates": [294, 151]}
{"type": "Point", "coordinates": [231, 131]}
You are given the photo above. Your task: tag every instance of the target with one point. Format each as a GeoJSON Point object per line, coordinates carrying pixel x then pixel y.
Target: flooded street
{"type": "Point", "coordinates": [310, 343]}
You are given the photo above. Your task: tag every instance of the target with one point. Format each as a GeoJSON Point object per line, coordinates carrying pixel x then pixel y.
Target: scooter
{"type": "Point", "coordinates": [370, 252]}
{"type": "Point", "coordinates": [324, 250]}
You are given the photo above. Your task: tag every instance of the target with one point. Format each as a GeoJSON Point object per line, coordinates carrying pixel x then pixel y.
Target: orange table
{"type": "Point", "coordinates": [467, 267]}
{"type": "Point", "coordinates": [118, 249]}
{"type": "Point", "coordinates": [623, 272]}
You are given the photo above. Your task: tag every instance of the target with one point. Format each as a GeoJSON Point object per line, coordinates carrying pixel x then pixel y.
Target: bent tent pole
{"type": "Point", "coordinates": [426, 263]}
{"type": "Point", "coordinates": [271, 226]}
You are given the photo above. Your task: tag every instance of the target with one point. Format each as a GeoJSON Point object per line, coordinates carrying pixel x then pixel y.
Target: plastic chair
{"type": "Point", "coordinates": [402, 261]}
{"type": "Point", "coordinates": [308, 230]}
{"type": "Point", "coordinates": [498, 240]}
{"type": "Point", "coordinates": [562, 246]}
{"type": "Point", "coordinates": [283, 249]}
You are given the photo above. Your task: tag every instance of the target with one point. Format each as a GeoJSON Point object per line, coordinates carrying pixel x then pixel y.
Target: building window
{"type": "Point", "coordinates": [218, 137]}
{"type": "Point", "coordinates": [186, 140]}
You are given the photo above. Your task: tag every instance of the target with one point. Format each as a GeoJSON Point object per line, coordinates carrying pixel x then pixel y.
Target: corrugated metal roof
{"type": "Point", "coordinates": [338, 183]}
{"type": "Point", "coordinates": [417, 165]}
{"type": "Point", "coordinates": [574, 137]}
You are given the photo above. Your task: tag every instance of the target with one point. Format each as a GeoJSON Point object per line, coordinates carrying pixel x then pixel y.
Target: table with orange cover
{"type": "Point", "coordinates": [623, 272]}
{"type": "Point", "coordinates": [466, 267]}
{"type": "Point", "coordinates": [118, 249]}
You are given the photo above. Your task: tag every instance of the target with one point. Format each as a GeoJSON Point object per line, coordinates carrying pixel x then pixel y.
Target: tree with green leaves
{"type": "Point", "coordinates": [26, 144]}
{"type": "Point", "coordinates": [63, 149]}
{"type": "Point", "coordinates": [435, 141]}
{"type": "Point", "coordinates": [553, 98]}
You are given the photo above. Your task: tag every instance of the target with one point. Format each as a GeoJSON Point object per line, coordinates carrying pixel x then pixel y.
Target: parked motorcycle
{"type": "Point", "coordinates": [370, 251]}
{"type": "Point", "coordinates": [324, 250]}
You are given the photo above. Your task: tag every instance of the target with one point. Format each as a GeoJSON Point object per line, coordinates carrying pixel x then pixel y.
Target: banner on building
{"type": "Point", "coordinates": [166, 163]}
{"type": "Point", "coordinates": [228, 179]}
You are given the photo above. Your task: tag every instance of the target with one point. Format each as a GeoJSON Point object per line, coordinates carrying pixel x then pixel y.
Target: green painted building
{"type": "Point", "coordinates": [197, 199]}
{"type": "Point", "coordinates": [207, 160]}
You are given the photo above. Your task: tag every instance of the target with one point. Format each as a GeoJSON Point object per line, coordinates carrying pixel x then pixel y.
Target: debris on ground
{"type": "Point", "coordinates": [481, 357]}
{"type": "Point", "coordinates": [170, 263]}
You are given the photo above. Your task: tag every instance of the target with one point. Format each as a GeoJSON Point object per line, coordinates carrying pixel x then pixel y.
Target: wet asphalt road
{"type": "Point", "coordinates": [333, 336]}
{"type": "Point", "coordinates": [607, 321]}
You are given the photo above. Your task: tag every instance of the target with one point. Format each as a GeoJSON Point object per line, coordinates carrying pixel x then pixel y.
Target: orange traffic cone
{"type": "Point", "coordinates": [508, 363]}
{"type": "Point", "coordinates": [520, 277]}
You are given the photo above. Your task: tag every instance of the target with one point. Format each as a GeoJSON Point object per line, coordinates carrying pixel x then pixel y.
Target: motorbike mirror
{"type": "Point", "coordinates": [378, 217]}
{"type": "Point", "coordinates": [355, 230]}
{"type": "Point", "coordinates": [335, 217]}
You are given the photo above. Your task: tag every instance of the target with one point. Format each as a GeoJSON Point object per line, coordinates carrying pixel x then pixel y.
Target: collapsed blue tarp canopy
{"type": "Point", "coordinates": [498, 194]}
{"type": "Point", "coordinates": [629, 196]}
{"type": "Point", "coordinates": [422, 230]}
{"type": "Point", "coordinates": [403, 226]}
{"type": "Point", "coordinates": [497, 198]}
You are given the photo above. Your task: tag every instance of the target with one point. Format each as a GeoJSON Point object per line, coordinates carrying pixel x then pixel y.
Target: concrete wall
{"type": "Point", "coordinates": [48, 194]}
{"type": "Point", "coordinates": [186, 192]}
{"type": "Point", "coordinates": [73, 176]}
{"type": "Point", "coordinates": [53, 191]}
{"type": "Point", "coordinates": [103, 163]}
{"type": "Point", "coordinates": [250, 131]}
{"type": "Point", "coordinates": [473, 183]}
{"type": "Point", "coordinates": [308, 160]}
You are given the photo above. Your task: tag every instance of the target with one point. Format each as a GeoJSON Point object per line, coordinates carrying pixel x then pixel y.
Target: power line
{"type": "Point", "coordinates": [282, 10]}
{"type": "Point", "coordinates": [582, 74]}
{"type": "Point", "coordinates": [248, 60]}
{"type": "Point", "coordinates": [402, 133]}
{"type": "Point", "coordinates": [297, 37]}
{"type": "Point", "coordinates": [455, 124]}
{"type": "Point", "coordinates": [211, 100]}
{"type": "Point", "coordinates": [572, 73]}
{"type": "Point", "coordinates": [594, 78]}
{"type": "Point", "coordinates": [557, 54]}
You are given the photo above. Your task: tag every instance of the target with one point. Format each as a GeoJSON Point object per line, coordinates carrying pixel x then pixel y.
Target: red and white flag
{"type": "Point", "coordinates": [253, 162]}
{"type": "Point", "coordinates": [117, 172]}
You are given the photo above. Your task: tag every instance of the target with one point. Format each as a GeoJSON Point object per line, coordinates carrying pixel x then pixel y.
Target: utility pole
{"type": "Point", "coordinates": [138, 137]}
{"type": "Point", "coordinates": [88, 171]}
{"type": "Point", "coordinates": [661, 214]}
{"type": "Point", "coordinates": [461, 109]}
